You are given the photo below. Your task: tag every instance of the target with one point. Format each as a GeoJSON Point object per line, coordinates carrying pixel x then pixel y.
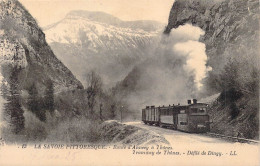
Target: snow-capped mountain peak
{"type": "Point", "coordinates": [86, 40]}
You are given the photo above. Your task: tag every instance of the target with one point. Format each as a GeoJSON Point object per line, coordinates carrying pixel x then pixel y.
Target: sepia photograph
{"type": "Point", "coordinates": [129, 82]}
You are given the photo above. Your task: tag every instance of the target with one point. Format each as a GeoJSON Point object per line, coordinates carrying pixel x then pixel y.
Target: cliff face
{"type": "Point", "coordinates": [231, 27]}
{"type": "Point", "coordinates": [23, 44]}
{"type": "Point", "coordinates": [232, 46]}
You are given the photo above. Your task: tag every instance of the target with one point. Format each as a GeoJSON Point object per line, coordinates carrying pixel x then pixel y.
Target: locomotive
{"type": "Point", "coordinates": [191, 118]}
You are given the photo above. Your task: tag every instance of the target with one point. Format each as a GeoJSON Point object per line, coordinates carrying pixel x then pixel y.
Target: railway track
{"type": "Point", "coordinates": [235, 139]}
{"type": "Point", "coordinates": [224, 137]}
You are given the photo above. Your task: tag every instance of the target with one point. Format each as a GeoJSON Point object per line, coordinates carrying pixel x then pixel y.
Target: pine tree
{"type": "Point", "coordinates": [13, 107]}
{"type": "Point", "coordinates": [49, 97]}
{"type": "Point", "coordinates": [4, 89]}
{"type": "Point", "coordinates": [94, 88]}
{"type": "Point", "coordinates": [34, 103]}
{"type": "Point", "coordinates": [4, 95]}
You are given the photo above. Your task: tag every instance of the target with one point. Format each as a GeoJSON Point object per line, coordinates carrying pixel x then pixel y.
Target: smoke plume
{"type": "Point", "coordinates": [171, 73]}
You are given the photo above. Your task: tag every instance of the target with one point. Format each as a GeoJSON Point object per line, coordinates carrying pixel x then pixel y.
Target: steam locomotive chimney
{"type": "Point", "coordinates": [194, 101]}
{"type": "Point", "coordinates": [189, 102]}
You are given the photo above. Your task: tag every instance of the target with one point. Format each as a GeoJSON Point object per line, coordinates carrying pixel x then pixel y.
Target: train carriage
{"type": "Point", "coordinates": [188, 118]}
{"type": "Point", "coordinates": [166, 116]}
{"type": "Point", "coordinates": [169, 115]}
{"type": "Point", "coordinates": [150, 115]}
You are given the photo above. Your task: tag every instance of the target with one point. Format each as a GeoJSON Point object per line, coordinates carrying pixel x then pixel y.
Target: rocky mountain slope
{"type": "Point", "coordinates": [23, 44]}
{"type": "Point", "coordinates": [232, 38]}
{"type": "Point", "coordinates": [98, 41]}
{"type": "Point", "coordinates": [231, 27]}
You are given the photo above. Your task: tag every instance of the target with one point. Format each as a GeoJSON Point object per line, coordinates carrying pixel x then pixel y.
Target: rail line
{"type": "Point", "coordinates": [236, 139]}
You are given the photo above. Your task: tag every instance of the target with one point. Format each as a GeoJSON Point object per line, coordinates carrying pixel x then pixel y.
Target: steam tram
{"type": "Point", "coordinates": [189, 118]}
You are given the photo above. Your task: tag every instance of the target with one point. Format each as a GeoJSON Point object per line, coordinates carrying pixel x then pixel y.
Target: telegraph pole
{"type": "Point", "coordinates": [121, 110]}
{"type": "Point", "coordinates": [100, 111]}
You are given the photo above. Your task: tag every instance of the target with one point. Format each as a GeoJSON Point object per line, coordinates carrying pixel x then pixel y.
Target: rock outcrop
{"type": "Point", "coordinates": [231, 27]}
{"type": "Point", "coordinates": [23, 44]}
{"type": "Point", "coordinates": [232, 46]}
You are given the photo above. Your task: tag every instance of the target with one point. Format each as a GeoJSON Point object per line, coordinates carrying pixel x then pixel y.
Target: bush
{"type": "Point", "coordinates": [68, 131]}
{"type": "Point", "coordinates": [35, 130]}
{"type": "Point", "coordinates": [75, 131]}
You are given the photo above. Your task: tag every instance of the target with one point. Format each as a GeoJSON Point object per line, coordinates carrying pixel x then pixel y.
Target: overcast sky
{"type": "Point", "coordinates": [50, 11]}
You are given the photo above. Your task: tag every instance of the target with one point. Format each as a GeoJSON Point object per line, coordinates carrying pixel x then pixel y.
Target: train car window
{"type": "Point", "coordinates": [183, 123]}
{"type": "Point", "coordinates": [194, 110]}
{"type": "Point", "coordinates": [182, 111]}
{"type": "Point", "coordinates": [202, 110]}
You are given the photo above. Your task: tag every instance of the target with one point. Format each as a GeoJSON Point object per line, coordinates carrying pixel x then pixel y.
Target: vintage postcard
{"type": "Point", "coordinates": [129, 82]}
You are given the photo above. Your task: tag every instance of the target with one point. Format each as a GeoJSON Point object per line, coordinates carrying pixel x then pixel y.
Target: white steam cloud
{"type": "Point", "coordinates": [193, 50]}
{"type": "Point", "coordinates": [196, 58]}
{"type": "Point", "coordinates": [172, 71]}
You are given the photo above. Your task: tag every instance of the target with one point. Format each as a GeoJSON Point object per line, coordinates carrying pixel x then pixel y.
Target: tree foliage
{"type": "Point", "coordinates": [238, 78]}
{"type": "Point", "coordinates": [94, 88]}
{"type": "Point", "coordinates": [13, 108]}
{"type": "Point", "coordinates": [35, 103]}
{"type": "Point", "coordinates": [49, 97]}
